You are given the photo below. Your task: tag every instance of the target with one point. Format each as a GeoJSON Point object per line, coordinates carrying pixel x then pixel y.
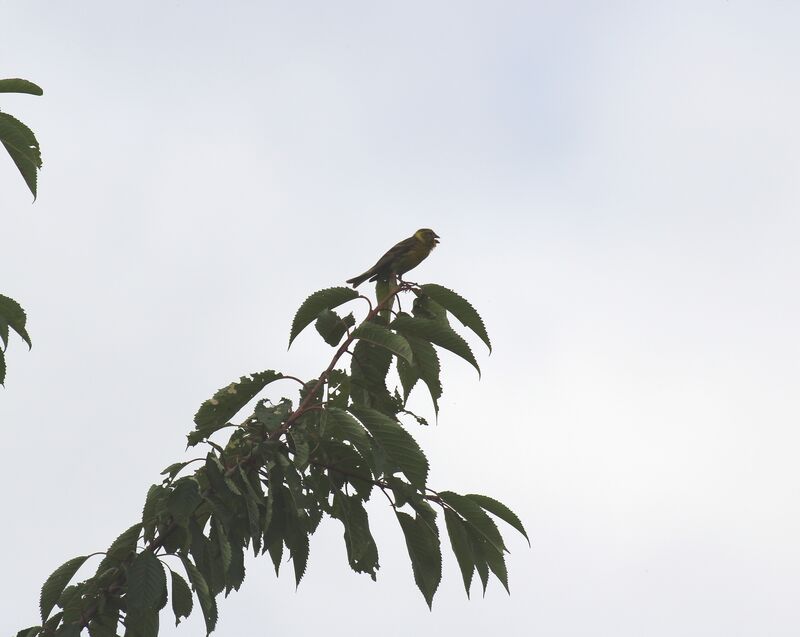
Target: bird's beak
{"type": "Point", "coordinates": [435, 237]}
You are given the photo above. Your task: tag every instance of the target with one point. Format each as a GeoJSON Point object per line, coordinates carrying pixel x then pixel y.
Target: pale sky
{"type": "Point", "coordinates": [616, 186]}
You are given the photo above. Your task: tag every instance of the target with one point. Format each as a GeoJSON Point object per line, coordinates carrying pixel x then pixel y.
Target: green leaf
{"type": "Point", "coordinates": [420, 420]}
{"type": "Point", "coordinates": [362, 552]}
{"type": "Point", "coordinates": [272, 416]}
{"type": "Point", "coordinates": [253, 487]}
{"type": "Point", "coordinates": [147, 583]}
{"type": "Point", "coordinates": [369, 366]}
{"type": "Point", "coordinates": [153, 504]}
{"type": "Point", "coordinates": [121, 548]}
{"type": "Point", "coordinates": [295, 524]}
{"type": "Point", "coordinates": [12, 315]}
{"type": "Point", "coordinates": [162, 600]}
{"type": "Point", "coordinates": [174, 469]}
{"type": "Point", "coordinates": [332, 327]}
{"type": "Point", "coordinates": [294, 488]}
{"type": "Point", "coordinates": [51, 624]}
{"type": "Point", "coordinates": [218, 410]}
{"type": "Point", "coordinates": [235, 575]}
{"type": "Point", "coordinates": [181, 597]}
{"type": "Point", "coordinates": [383, 337]}
{"type": "Point", "coordinates": [254, 522]}
{"type": "Point", "coordinates": [437, 333]}
{"type": "Point", "coordinates": [29, 632]}
{"type": "Point", "coordinates": [344, 464]}
{"type": "Point", "coordinates": [475, 517]}
{"type": "Point", "coordinates": [276, 522]}
{"type": "Point", "coordinates": [403, 492]}
{"type": "Point", "coordinates": [383, 288]}
{"type": "Point", "coordinates": [18, 85]}
{"type": "Point", "coordinates": [184, 499]}
{"type": "Point", "coordinates": [140, 622]}
{"type": "Point", "coordinates": [57, 582]}
{"type": "Point", "coordinates": [72, 602]}
{"type": "Point", "coordinates": [408, 376]}
{"type": "Point", "coordinates": [500, 510]}
{"type": "Point", "coordinates": [425, 307]}
{"type": "Point", "coordinates": [3, 332]}
{"type": "Point", "coordinates": [301, 448]}
{"type": "Point", "coordinates": [276, 554]}
{"type": "Point", "coordinates": [319, 490]}
{"type": "Point", "coordinates": [105, 622]}
{"type": "Point", "coordinates": [497, 564]}
{"type": "Point", "coordinates": [21, 144]}
{"type": "Point", "coordinates": [308, 387]}
{"type": "Point", "coordinates": [214, 569]}
{"type": "Point", "coordinates": [207, 603]}
{"type": "Point", "coordinates": [199, 544]}
{"type": "Point", "coordinates": [425, 511]}
{"type": "Point", "coordinates": [400, 447]}
{"type": "Point", "coordinates": [487, 557]}
{"type": "Point", "coordinates": [321, 300]}
{"type": "Point", "coordinates": [426, 366]}
{"type": "Point", "coordinates": [462, 549]}
{"type": "Point", "coordinates": [425, 552]}
{"type": "Point", "coordinates": [338, 388]}
{"type": "Point", "coordinates": [231, 484]}
{"type": "Point", "coordinates": [2, 368]}
{"type": "Point", "coordinates": [176, 539]}
{"type": "Point", "coordinates": [480, 548]}
{"type": "Point", "coordinates": [298, 551]}
{"type": "Point", "coordinates": [69, 630]}
{"type": "Point", "coordinates": [344, 427]}
{"type": "Point", "coordinates": [459, 307]}
{"type": "Point", "coordinates": [254, 500]}
{"type": "Point", "coordinates": [215, 473]}
{"type": "Point", "coordinates": [219, 536]}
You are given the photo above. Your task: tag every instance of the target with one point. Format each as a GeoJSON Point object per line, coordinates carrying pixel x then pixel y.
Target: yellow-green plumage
{"type": "Point", "coordinates": [406, 255]}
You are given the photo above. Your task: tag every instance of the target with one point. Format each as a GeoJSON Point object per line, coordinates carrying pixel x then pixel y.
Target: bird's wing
{"type": "Point", "coordinates": [392, 254]}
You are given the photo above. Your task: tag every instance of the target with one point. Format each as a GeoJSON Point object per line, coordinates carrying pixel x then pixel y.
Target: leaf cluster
{"type": "Point", "coordinates": [12, 316]}
{"type": "Point", "coordinates": [19, 140]}
{"type": "Point", "coordinates": [285, 466]}
{"type": "Point", "coordinates": [20, 143]}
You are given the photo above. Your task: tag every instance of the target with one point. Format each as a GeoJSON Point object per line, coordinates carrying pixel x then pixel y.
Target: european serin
{"type": "Point", "coordinates": [407, 254]}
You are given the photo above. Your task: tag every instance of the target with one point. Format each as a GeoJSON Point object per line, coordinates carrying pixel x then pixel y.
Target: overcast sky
{"type": "Point", "coordinates": [616, 186]}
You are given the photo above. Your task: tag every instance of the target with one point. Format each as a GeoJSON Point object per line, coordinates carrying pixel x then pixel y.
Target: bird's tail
{"type": "Point", "coordinates": [358, 280]}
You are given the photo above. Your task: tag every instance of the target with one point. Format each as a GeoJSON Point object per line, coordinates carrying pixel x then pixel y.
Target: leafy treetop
{"type": "Point", "coordinates": [21, 144]}
{"type": "Point", "coordinates": [288, 464]}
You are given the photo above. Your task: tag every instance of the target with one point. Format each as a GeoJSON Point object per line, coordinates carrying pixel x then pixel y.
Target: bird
{"type": "Point", "coordinates": [404, 256]}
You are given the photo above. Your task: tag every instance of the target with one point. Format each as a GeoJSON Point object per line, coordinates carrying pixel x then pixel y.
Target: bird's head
{"type": "Point", "coordinates": [427, 236]}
